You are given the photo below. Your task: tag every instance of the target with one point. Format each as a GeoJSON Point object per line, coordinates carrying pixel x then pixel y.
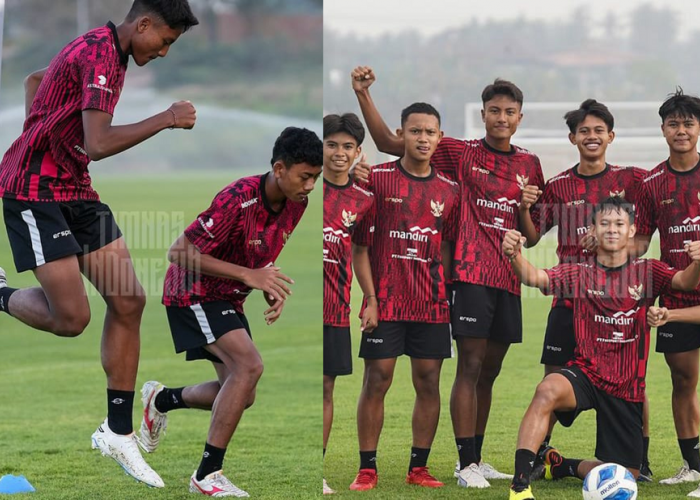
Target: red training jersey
{"type": "Point", "coordinates": [491, 183]}
{"type": "Point", "coordinates": [48, 162]}
{"type": "Point", "coordinates": [239, 227]}
{"type": "Point", "coordinates": [344, 207]}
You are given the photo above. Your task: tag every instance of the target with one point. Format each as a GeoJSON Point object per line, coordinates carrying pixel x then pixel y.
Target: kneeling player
{"type": "Point", "coordinates": [214, 267]}
{"type": "Point", "coordinates": [611, 294]}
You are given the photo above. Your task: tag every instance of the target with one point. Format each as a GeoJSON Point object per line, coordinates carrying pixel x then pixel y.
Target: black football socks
{"type": "Point", "coordinates": [120, 405]}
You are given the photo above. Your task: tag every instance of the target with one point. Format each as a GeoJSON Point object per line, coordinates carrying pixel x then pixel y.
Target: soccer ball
{"type": "Point", "coordinates": [609, 482]}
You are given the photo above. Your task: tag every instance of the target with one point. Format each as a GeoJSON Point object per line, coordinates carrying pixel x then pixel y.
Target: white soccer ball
{"type": "Point", "coordinates": [609, 482]}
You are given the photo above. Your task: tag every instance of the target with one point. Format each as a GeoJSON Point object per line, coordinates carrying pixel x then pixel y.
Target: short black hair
{"type": "Point", "coordinates": [680, 105]}
{"type": "Point", "coordinates": [589, 107]}
{"type": "Point", "coordinates": [502, 87]}
{"type": "Point", "coordinates": [614, 204]}
{"type": "Point", "coordinates": [347, 123]}
{"type": "Point", "coordinates": [422, 108]}
{"type": "Point", "coordinates": [174, 13]}
{"type": "Point", "coordinates": [298, 145]}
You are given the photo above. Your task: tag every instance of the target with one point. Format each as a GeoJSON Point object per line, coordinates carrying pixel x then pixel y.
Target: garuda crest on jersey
{"type": "Point", "coordinates": [522, 180]}
{"type": "Point", "coordinates": [618, 194]}
{"type": "Point", "coordinates": [636, 291]}
{"type": "Point", "coordinates": [436, 208]}
{"type": "Point", "coordinates": [348, 218]}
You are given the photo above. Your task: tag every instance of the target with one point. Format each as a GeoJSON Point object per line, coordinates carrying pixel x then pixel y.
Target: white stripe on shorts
{"type": "Point", "coordinates": [203, 322]}
{"type": "Point", "coordinates": [35, 237]}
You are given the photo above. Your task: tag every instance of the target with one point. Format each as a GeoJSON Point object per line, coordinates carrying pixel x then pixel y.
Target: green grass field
{"type": "Point", "coordinates": [52, 390]}
{"type": "Point", "coordinates": [512, 394]}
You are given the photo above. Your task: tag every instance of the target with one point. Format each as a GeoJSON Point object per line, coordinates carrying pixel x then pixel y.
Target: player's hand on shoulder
{"type": "Point", "coordinates": [693, 249]}
{"type": "Point", "coordinates": [657, 316]}
{"type": "Point", "coordinates": [512, 243]}
{"type": "Point", "coordinates": [271, 281]}
{"type": "Point", "coordinates": [531, 193]}
{"type": "Point", "coordinates": [589, 242]}
{"type": "Point", "coordinates": [361, 170]}
{"type": "Point", "coordinates": [369, 316]}
{"type": "Point", "coordinates": [184, 114]}
{"type": "Point", "coordinates": [362, 78]}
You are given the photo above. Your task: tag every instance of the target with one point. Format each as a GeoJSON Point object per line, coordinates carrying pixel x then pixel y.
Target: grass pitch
{"type": "Point", "coordinates": [52, 390]}
{"type": "Point", "coordinates": [512, 394]}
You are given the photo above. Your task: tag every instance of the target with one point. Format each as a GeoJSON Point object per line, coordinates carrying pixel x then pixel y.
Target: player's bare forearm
{"type": "Point", "coordinates": [688, 279]}
{"type": "Point", "coordinates": [31, 85]}
{"type": "Point", "coordinates": [527, 228]}
{"type": "Point", "coordinates": [685, 315]}
{"type": "Point", "coordinates": [385, 140]}
{"type": "Point", "coordinates": [640, 245]}
{"type": "Point", "coordinates": [528, 274]}
{"type": "Point", "coordinates": [362, 269]}
{"type": "Point", "coordinates": [103, 140]}
{"type": "Point", "coordinates": [186, 255]}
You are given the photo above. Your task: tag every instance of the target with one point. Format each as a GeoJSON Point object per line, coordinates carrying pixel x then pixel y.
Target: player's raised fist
{"type": "Point", "coordinates": [361, 170]}
{"type": "Point", "coordinates": [589, 242]}
{"type": "Point", "coordinates": [184, 114]}
{"type": "Point", "coordinates": [531, 193]}
{"type": "Point", "coordinates": [362, 77]}
{"type": "Point", "coordinates": [657, 316]}
{"type": "Point", "coordinates": [693, 249]}
{"type": "Point", "coordinates": [512, 243]}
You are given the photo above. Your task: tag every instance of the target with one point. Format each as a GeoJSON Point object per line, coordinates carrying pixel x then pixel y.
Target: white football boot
{"type": "Point", "coordinates": [327, 490]}
{"type": "Point", "coordinates": [153, 423]}
{"type": "Point", "coordinates": [684, 475]}
{"type": "Point", "coordinates": [487, 471]}
{"type": "Point", "coordinates": [470, 477]}
{"type": "Point", "coordinates": [215, 485]}
{"type": "Point", "coordinates": [125, 451]}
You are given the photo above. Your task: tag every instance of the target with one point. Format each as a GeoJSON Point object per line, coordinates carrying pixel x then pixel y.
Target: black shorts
{"type": "Point", "coordinates": [337, 353]}
{"type": "Point", "coordinates": [619, 436]}
{"type": "Point", "coordinates": [486, 313]}
{"type": "Point", "coordinates": [391, 339]}
{"type": "Point", "coordinates": [41, 232]}
{"type": "Point", "coordinates": [677, 337]}
{"type": "Point", "coordinates": [199, 325]}
{"type": "Point", "coordinates": [559, 338]}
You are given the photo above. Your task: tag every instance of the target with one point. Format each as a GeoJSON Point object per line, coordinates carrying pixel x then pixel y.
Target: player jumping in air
{"type": "Point", "coordinates": [56, 223]}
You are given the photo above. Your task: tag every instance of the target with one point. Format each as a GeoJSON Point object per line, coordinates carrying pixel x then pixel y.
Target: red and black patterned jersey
{"type": "Point", "coordinates": [568, 200]}
{"type": "Point", "coordinates": [413, 214]}
{"type": "Point", "coordinates": [48, 161]}
{"type": "Point", "coordinates": [670, 202]}
{"type": "Point", "coordinates": [610, 307]}
{"type": "Point", "coordinates": [344, 207]}
{"type": "Point", "coordinates": [239, 227]}
{"type": "Point", "coordinates": [491, 183]}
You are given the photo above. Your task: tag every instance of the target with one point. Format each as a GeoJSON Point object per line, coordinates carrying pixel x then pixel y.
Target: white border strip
{"type": "Point", "coordinates": [203, 322]}
{"type": "Point", "coordinates": [28, 217]}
